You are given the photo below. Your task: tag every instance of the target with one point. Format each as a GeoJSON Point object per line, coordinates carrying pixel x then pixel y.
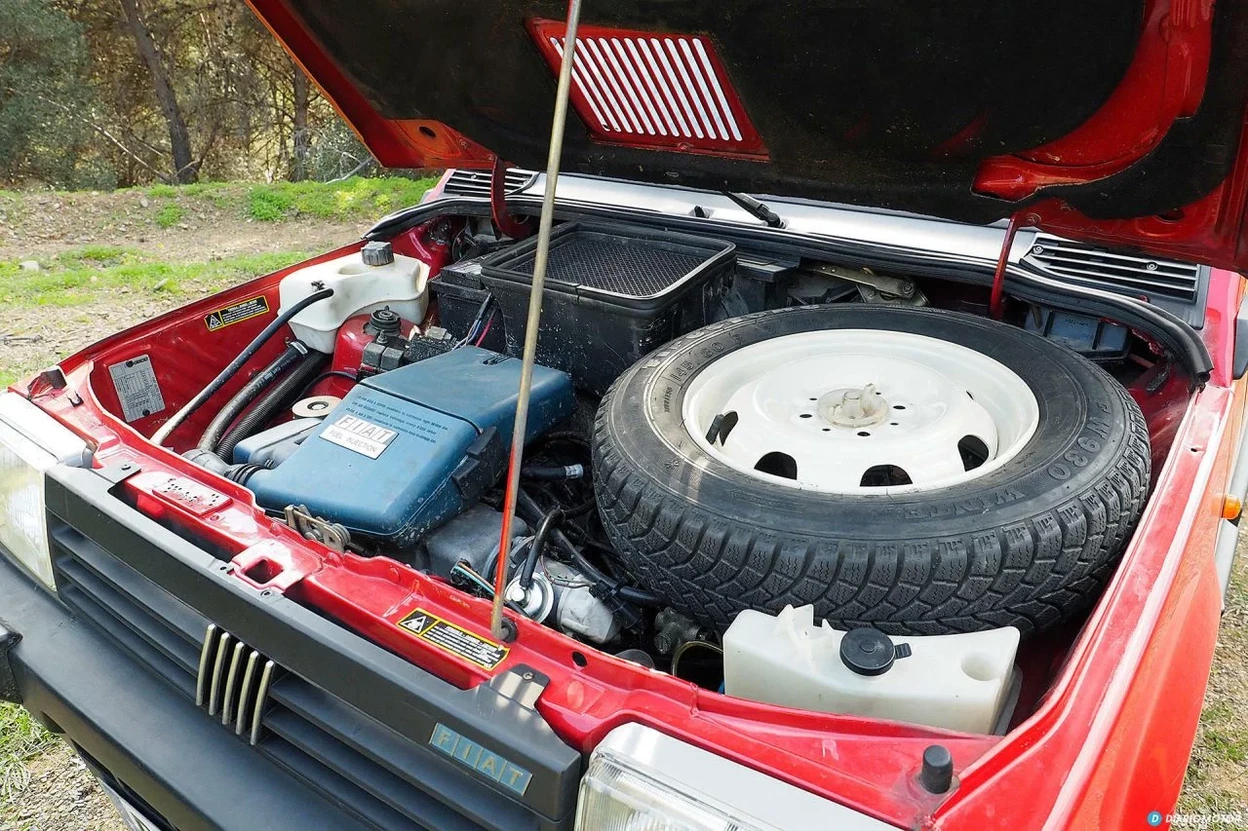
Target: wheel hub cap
{"type": "Point", "coordinates": [854, 408]}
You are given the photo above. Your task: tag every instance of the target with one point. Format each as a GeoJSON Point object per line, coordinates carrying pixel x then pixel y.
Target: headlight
{"type": "Point", "coordinates": [642, 780]}
{"type": "Point", "coordinates": [31, 441]}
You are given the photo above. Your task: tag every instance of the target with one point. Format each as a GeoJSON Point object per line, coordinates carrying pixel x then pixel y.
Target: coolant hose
{"type": "Point", "coordinates": [211, 438]}
{"type": "Point", "coordinates": [284, 392]}
{"type": "Point", "coordinates": [549, 521]}
{"type": "Point", "coordinates": [638, 597]}
{"type": "Point", "coordinates": [229, 372]}
{"type": "Point", "coordinates": [552, 473]}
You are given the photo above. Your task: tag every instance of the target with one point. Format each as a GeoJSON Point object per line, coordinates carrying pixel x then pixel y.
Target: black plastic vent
{"type": "Point", "coordinates": [477, 182]}
{"type": "Point", "coordinates": [1126, 273]}
{"type": "Point", "coordinates": [381, 777]}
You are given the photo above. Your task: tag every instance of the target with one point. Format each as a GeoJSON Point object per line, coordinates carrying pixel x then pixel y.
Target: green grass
{"type": "Point", "coordinates": [78, 277]}
{"type": "Point", "coordinates": [351, 199]}
{"type": "Point", "coordinates": [21, 739]}
{"type": "Point", "coordinates": [170, 215]}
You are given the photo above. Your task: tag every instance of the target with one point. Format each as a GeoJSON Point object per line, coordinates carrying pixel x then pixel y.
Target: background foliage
{"type": "Point", "coordinates": [94, 94]}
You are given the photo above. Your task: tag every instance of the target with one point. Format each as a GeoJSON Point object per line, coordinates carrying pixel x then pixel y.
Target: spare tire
{"type": "Point", "coordinates": [715, 490]}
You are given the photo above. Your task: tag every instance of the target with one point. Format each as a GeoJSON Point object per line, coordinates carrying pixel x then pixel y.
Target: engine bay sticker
{"type": "Point", "coordinates": [359, 435]}
{"type": "Point", "coordinates": [137, 387]}
{"type": "Point", "coordinates": [237, 313]}
{"type": "Point", "coordinates": [450, 638]}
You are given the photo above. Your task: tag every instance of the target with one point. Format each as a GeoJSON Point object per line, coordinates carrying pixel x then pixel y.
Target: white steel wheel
{"type": "Point", "coordinates": [860, 411]}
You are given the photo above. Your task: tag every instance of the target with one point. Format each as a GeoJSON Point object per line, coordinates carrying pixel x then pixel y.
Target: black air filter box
{"type": "Point", "coordinates": [613, 293]}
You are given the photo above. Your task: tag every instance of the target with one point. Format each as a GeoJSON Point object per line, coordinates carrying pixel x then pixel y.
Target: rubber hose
{"type": "Point", "coordinates": [211, 438]}
{"type": "Point", "coordinates": [280, 395]}
{"type": "Point", "coordinates": [535, 548]}
{"type": "Point", "coordinates": [552, 473]}
{"type": "Point", "coordinates": [159, 437]}
{"type": "Point", "coordinates": [628, 594]}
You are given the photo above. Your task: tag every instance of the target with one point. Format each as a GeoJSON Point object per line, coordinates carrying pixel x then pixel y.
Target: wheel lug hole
{"type": "Point", "coordinates": [863, 433]}
{"type": "Point", "coordinates": [807, 415]}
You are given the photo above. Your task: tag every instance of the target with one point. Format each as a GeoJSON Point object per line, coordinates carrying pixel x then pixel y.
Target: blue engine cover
{"type": "Point", "coordinates": [382, 463]}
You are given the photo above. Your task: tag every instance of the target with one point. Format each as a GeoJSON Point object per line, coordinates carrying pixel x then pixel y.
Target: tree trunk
{"type": "Point", "coordinates": [300, 138]}
{"type": "Point", "coordinates": [185, 169]}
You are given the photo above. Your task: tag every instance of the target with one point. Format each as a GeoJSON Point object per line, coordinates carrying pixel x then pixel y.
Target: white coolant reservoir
{"type": "Point", "coordinates": [372, 279]}
{"type": "Point", "coordinates": [958, 682]}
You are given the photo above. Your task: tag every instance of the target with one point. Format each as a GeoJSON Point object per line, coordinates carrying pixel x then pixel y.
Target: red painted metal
{"type": "Point", "coordinates": [1164, 82]}
{"type": "Point", "coordinates": [507, 224]}
{"type": "Point", "coordinates": [996, 299]}
{"type": "Point", "coordinates": [1103, 743]}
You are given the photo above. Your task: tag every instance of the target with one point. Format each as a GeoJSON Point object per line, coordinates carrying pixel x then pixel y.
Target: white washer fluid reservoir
{"type": "Point", "coordinates": [372, 279]}
{"type": "Point", "coordinates": [958, 682]}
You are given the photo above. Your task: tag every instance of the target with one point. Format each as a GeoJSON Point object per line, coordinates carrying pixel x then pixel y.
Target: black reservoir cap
{"type": "Point", "coordinates": [867, 651]}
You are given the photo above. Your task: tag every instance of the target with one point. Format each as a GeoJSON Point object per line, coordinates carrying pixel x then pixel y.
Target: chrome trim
{"type": "Point", "coordinates": [230, 689]}
{"type": "Point", "coordinates": [201, 679]}
{"type": "Point", "coordinates": [243, 693]}
{"type": "Point", "coordinates": [227, 710]}
{"type": "Point", "coordinates": [262, 695]}
{"type": "Point", "coordinates": [214, 683]}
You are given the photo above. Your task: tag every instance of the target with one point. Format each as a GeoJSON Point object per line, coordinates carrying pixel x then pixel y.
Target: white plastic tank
{"type": "Point", "coordinates": [958, 682]}
{"type": "Point", "coordinates": [364, 282]}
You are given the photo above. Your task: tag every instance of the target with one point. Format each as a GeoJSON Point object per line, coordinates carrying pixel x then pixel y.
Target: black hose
{"type": "Point", "coordinates": [552, 473]}
{"type": "Point", "coordinates": [211, 438]}
{"type": "Point", "coordinates": [628, 594]}
{"type": "Point", "coordinates": [325, 376]}
{"type": "Point", "coordinates": [535, 548]}
{"type": "Point", "coordinates": [280, 395]}
{"type": "Point", "coordinates": [229, 372]}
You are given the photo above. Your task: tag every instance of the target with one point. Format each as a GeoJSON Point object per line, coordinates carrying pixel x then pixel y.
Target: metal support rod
{"type": "Point", "coordinates": [535, 313]}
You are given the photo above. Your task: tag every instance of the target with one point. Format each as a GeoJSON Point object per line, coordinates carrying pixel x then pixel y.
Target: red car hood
{"type": "Point", "coordinates": [1109, 120]}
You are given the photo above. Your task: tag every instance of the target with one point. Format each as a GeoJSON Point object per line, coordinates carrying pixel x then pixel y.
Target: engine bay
{"type": "Point", "coordinates": [376, 424]}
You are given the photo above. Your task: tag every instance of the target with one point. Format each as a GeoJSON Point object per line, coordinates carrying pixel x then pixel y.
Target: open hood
{"type": "Point", "coordinates": [1118, 121]}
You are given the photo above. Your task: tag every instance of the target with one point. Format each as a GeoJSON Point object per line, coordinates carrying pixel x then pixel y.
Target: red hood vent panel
{"type": "Point", "coordinates": [651, 90]}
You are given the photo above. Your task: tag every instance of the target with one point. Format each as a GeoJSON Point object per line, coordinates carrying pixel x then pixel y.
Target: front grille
{"type": "Point", "coordinates": [233, 680]}
{"type": "Point", "coordinates": [1124, 273]}
{"type": "Point", "coordinates": [380, 776]}
{"type": "Point", "coordinates": [477, 182]}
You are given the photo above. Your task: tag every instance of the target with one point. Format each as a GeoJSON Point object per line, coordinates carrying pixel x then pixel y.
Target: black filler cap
{"type": "Point", "coordinates": [385, 322]}
{"type": "Point", "coordinates": [868, 651]}
{"type": "Point", "coordinates": [377, 253]}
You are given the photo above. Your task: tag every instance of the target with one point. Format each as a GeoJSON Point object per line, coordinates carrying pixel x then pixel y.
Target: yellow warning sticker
{"type": "Point", "coordinates": [454, 639]}
{"type": "Point", "coordinates": [237, 313]}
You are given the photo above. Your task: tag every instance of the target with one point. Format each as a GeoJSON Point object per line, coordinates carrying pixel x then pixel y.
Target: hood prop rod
{"type": "Point", "coordinates": [535, 312]}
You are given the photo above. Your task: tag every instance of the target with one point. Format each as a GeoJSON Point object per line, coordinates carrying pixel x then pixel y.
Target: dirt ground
{"type": "Point", "coordinates": [54, 791]}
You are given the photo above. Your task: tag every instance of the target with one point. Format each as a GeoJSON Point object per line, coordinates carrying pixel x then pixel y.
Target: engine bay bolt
{"type": "Point", "coordinates": [937, 773]}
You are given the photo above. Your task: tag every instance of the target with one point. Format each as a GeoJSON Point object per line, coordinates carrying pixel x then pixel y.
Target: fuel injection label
{"type": "Point", "coordinates": [450, 638]}
{"type": "Point", "coordinates": [363, 437]}
{"type": "Point", "coordinates": [237, 313]}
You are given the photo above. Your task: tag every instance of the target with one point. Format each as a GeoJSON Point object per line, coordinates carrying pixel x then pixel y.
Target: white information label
{"type": "Point", "coordinates": [137, 388]}
{"type": "Point", "coordinates": [364, 437]}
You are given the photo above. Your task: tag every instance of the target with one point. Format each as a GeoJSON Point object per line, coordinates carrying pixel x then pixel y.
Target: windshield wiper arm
{"type": "Point", "coordinates": [756, 209]}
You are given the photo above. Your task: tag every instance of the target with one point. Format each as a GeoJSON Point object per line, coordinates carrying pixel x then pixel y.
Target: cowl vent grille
{"type": "Point", "coordinates": [233, 682]}
{"type": "Point", "coordinates": [477, 182]}
{"type": "Point", "coordinates": [1126, 273]}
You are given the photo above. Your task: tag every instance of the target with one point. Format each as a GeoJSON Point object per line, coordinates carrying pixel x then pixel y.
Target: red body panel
{"type": "Point", "coordinates": [1108, 743]}
{"type": "Point", "coordinates": [1164, 83]}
